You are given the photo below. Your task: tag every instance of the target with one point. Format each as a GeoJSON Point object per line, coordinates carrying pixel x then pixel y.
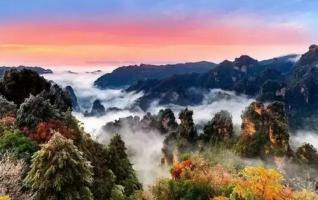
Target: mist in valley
{"type": "Point", "coordinates": [144, 148]}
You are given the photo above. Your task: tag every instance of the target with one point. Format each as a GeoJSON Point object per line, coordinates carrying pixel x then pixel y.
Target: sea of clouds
{"type": "Point", "coordinates": [145, 148]}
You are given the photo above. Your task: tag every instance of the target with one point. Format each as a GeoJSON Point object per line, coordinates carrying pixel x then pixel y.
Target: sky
{"type": "Point", "coordinates": [108, 33]}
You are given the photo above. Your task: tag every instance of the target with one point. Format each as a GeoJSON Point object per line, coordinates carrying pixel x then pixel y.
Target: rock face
{"type": "Point", "coordinates": [265, 131]}
{"type": "Point", "coordinates": [97, 109]}
{"type": "Point", "coordinates": [70, 91]}
{"type": "Point", "coordinates": [301, 94]}
{"type": "Point", "coordinates": [164, 122]}
{"type": "Point", "coordinates": [127, 75]}
{"type": "Point", "coordinates": [220, 128]}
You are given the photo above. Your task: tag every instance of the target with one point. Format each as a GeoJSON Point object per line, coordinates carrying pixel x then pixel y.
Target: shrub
{"type": "Point", "coordinates": [35, 109]}
{"type": "Point", "coordinates": [4, 198]}
{"type": "Point", "coordinates": [18, 144]}
{"type": "Point", "coordinates": [11, 174]}
{"type": "Point", "coordinates": [59, 171]}
{"type": "Point", "coordinates": [304, 195]}
{"type": "Point", "coordinates": [6, 107]}
{"type": "Point", "coordinates": [182, 189]}
{"type": "Point", "coordinates": [259, 183]}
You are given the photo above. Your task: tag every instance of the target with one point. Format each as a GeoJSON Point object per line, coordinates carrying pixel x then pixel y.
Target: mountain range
{"type": "Point", "coordinates": [127, 75]}
{"type": "Point", "coordinates": [290, 79]}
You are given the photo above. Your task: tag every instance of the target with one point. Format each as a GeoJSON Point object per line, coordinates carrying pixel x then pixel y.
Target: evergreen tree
{"type": "Point", "coordinates": [120, 165]}
{"type": "Point", "coordinates": [34, 110]}
{"type": "Point", "coordinates": [60, 172]}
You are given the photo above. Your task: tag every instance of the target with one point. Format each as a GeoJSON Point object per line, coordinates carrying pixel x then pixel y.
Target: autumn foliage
{"type": "Point", "coordinates": [181, 167]}
{"type": "Point", "coordinates": [195, 178]}
{"type": "Point", "coordinates": [45, 130]}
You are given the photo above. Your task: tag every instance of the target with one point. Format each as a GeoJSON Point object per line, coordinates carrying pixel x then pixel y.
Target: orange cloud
{"type": "Point", "coordinates": [156, 41]}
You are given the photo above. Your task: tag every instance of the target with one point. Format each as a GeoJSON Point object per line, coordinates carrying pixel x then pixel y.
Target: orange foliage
{"type": "Point", "coordinates": [45, 130]}
{"type": "Point", "coordinates": [220, 198]}
{"type": "Point", "coordinates": [260, 182]}
{"type": "Point", "coordinates": [248, 128]}
{"type": "Point", "coordinates": [180, 167]}
{"type": "Point", "coordinates": [199, 169]}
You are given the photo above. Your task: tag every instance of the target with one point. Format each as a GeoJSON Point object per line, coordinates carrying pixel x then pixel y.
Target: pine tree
{"type": "Point", "coordinates": [120, 165]}
{"type": "Point", "coordinates": [60, 172]}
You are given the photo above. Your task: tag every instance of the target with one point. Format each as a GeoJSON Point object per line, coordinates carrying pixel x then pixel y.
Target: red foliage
{"type": "Point", "coordinates": [180, 167]}
{"type": "Point", "coordinates": [45, 130]}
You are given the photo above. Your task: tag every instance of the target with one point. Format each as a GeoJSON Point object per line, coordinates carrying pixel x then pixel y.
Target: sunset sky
{"type": "Point", "coordinates": [61, 33]}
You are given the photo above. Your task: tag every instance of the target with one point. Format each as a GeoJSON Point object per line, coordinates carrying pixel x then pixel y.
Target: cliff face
{"type": "Point", "coordinates": [70, 91]}
{"type": "Point", "coordinates": [266, 128]}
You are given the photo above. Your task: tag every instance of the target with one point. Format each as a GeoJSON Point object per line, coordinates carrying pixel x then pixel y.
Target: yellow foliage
{"type": "Point", "coordinates": [260, 183]}
{"type": "Point", "coordinates": [220, 198]}
{"type": "Point", "coordinates": [304, 195]}
{"type": "Point", "coordinates": [4, 198]}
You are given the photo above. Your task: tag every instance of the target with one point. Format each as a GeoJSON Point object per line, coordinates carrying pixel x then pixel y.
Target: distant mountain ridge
{"type": "Point", "coordinates": [39, 70]}
{"type": "Point", "coordinates": [284, 79]}
{"type": "Point", "coordinates": [244, 75]}
{"type": "Point", "coordinates": [127, 75]}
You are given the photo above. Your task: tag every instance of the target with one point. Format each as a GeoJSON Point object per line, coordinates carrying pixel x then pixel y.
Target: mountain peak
{"type": "Point", "coordinates": [313, 47]}
{"type": "Point", "coordinates": [245, 60]}
{"type": "Point", "coordinates": [310, 57]}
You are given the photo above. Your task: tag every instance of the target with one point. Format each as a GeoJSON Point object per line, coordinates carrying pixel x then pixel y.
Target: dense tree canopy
{"type": "Point", "coordinates": [34, 110]}
{"type": "Point", "coordinates": [120, 165]}
{"type": "Point", "coordinates": [17, 85]}
{"type": "Point", "coordinates": [60, 172]}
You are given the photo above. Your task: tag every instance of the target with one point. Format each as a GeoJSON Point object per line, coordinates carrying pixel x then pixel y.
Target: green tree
{"type": "Point", "coordinates": [104, 178]}
{"type": "Point", "coordinates": [60, 172]}
{"type": "Point", "coordinates": [18, 144]}
{"type": "Point", "coordinates": [120, 165]}
{"type": "Point", "coordinates": [6, 107]}
{"type": "Point", "coordinates": [35, 109]}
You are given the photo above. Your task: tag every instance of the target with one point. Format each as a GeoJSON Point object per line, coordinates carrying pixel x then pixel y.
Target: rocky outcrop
{"type": "Point", "coordinates": [264, 131]}
{"type": "Point", "coordinates": [220, 128]}
{"type": "Point", "coordinates": [97, 109]}
{"type": "Point", "coordinates": [164, 122]}
{"type": "Point", "coordinates": [70, 91]}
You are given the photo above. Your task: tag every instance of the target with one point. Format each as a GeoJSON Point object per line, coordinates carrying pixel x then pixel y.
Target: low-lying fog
{"type": "Point", "coordinates": [145, 148]}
